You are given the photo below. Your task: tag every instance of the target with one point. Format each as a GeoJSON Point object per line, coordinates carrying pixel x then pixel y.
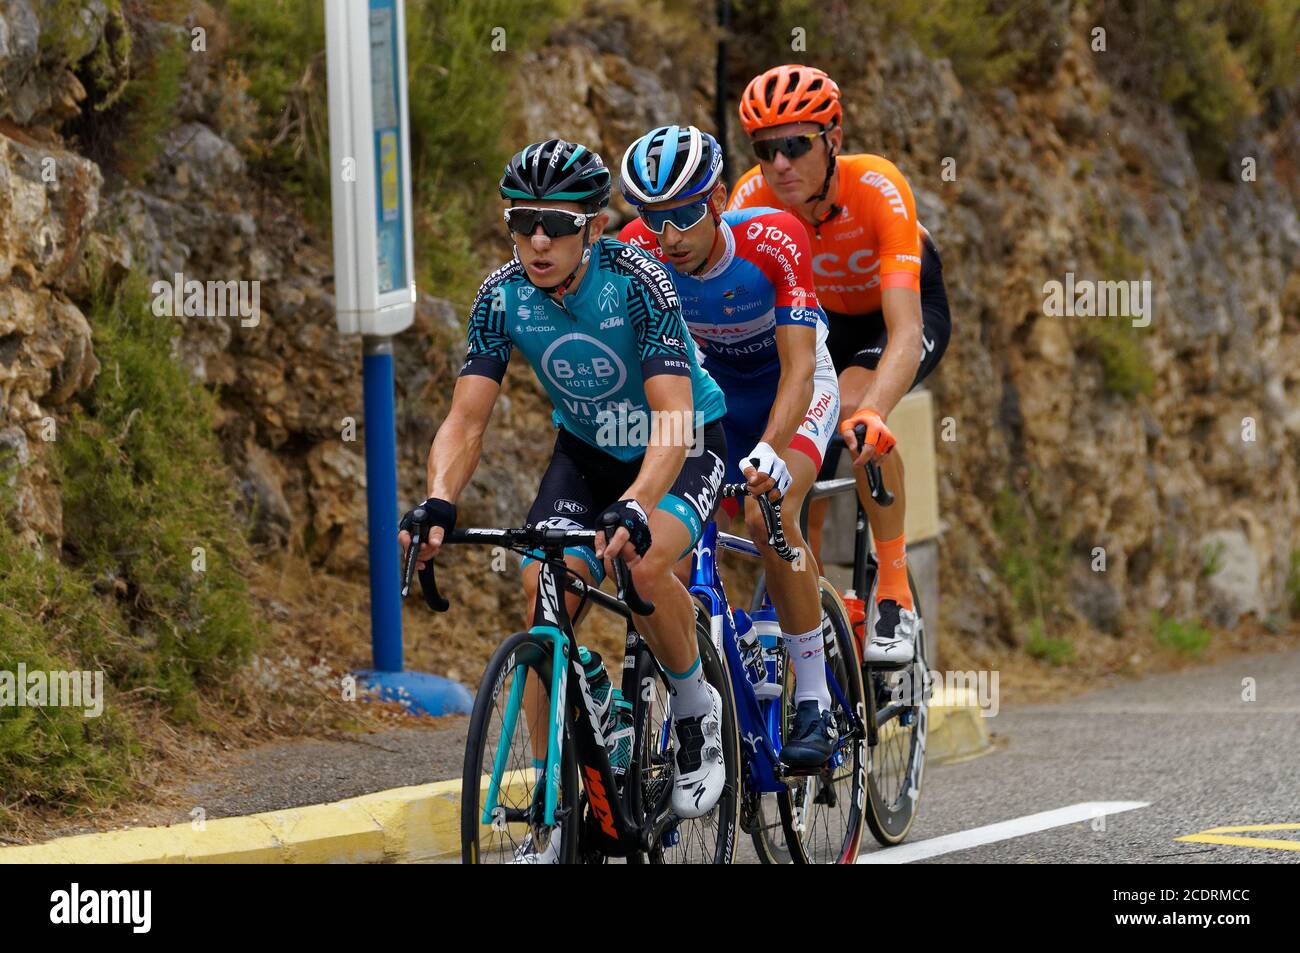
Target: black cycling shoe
{"type": "Point", "coordinates": [811, 741]}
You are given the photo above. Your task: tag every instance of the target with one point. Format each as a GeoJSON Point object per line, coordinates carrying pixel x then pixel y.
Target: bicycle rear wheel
{"type": "Point", "coordinates": [710, 839]}
{"type": "Point", "coordinates": [821, 814]}
{"type": "Point", "coordinates": [901, 707]}
{"type": "Point", "coordinates": [500, 741]}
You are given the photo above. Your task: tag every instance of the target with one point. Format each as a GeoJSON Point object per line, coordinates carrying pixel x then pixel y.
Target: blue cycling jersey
{"type": "Point", "coordinates": [620, 325]}
{"type": "Point", "coordinates": [763, 279]}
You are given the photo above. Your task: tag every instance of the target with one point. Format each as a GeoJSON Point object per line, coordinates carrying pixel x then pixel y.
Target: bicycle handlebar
{"type": "Point", "coordinates": [875, 480]}
{"type": "Point", "coordinates": [771, 511]}
{"type": "Point", "coordinates": [525, 537]}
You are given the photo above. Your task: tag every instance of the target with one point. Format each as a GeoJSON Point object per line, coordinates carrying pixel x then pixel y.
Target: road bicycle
{"type": "Point", "coordinates": [559, 795]}
{"type": "Point", "coordinates": [819, 811]}
{"type": "Point", "coordinates": [897, 696]}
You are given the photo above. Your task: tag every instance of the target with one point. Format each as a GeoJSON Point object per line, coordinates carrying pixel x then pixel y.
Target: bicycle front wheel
{"type": "Point", "coordinates": [710, 839]}
{"type": "Point", "coordinates": [508, 737]}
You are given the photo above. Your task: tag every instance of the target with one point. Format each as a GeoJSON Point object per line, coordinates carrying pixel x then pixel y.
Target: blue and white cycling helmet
{"type": "Point", "coordinates": [670, 162]}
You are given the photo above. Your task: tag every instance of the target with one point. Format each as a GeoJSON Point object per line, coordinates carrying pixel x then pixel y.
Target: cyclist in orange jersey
{"type": "Point", "coordinates": [880, 280]}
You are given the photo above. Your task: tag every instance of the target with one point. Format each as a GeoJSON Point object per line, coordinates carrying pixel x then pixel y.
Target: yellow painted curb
{"type": "Point", "coordinates": [956, 729]}
{"type": "Point", "coordinates": [400, 824]}
{"type": "Point", "coordinates": [417, 823]}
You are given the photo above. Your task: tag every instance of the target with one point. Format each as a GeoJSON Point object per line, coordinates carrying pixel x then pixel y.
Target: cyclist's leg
{"type": "Point", "coordinates": [697, 706]}
{"type": "Point", "coordinates": [675, 527]}
{"type": "Point", "coordinates": [564, 500]}
{"type": "Point", "coordinates": [887, 523]}
{"type": "Point", "coordinates": [794, 587]}
{"type": "Point", "coordinates": [849, 335]}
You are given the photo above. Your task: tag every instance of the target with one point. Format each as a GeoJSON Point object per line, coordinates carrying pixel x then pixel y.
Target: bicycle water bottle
{"type": "Point", "coordinates": [857, 620]}
{"type": "Point", "coordinates": [618, 738]}
{"type": "Point", "coordinates": [768, 631]}
{"type": "Point", "coordinates": [598, 681]}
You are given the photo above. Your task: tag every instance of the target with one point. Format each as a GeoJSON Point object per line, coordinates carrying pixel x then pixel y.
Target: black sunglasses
{"type": "Point", "coordinates": [792, 147]}
{"type": "Point", "coordinates": [555, 222]}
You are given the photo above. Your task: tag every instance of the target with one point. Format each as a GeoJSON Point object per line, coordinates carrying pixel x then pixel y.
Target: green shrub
{"type": "Point", "coordinates": [50, 620]}
{"type": "Point", "coordinates": [1212, 558]}
{"type": "Point", "coordinates": [144, 484]}
{"type": "Point", "coordinates": [1187, 636]}
{"type": "Point", "coordinates": [124, 126]}
{"type": "Point", "coordinates": [1124, 365]}
{"type": "Point", "coordinates": [1113, 340]}
{"type": "Point", "coordinates": [1033, 558]}
{"type": "Point", "coordinates": [971, 34]}
{"type": "Point", "coordinates": [1052, 651]}
{"type": "Point", "coordinates": [1215, 62]}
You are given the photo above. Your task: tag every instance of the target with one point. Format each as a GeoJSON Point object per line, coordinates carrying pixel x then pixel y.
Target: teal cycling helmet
{"type": "Point", "coordinates": [558, 170]}
{"type": "Point", "coordinates": [670, 162]}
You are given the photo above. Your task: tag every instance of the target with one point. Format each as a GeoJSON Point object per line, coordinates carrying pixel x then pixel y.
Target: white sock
{"type": "Point", "coordinates": [690, 698]}
{"type": "Point", "coordinates": [807, 656]}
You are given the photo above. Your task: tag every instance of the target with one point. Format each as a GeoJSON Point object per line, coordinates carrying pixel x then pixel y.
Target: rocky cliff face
{"type": "Point", "coordinates": [1069, 176]}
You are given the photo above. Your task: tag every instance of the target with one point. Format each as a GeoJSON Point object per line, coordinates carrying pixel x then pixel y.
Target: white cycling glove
{"type": "Point", "coordinates": [769, 462]}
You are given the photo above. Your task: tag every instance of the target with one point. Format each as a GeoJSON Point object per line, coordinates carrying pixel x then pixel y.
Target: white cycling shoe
{"type": "Point", "coordinates": [527, 852]}
{"type": "Point", "coordinates": [700, 773]}
{"type": "Point", "coordinates": [892, 643]}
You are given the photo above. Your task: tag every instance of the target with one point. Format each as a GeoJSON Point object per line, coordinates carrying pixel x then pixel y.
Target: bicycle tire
{"type": "Point", "coordinates": [517, 655]}
{"type": "Point", "coordinates": [715, 832]}
{"type": "Point", "coordinates": [821, 814]}
{"type": "Point", "coordinates": [898, 759]}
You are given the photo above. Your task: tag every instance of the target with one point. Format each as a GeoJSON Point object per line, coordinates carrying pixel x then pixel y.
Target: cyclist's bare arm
{"type": "Point", "coordinates": [669, 396]}
{"type": "Point", "coordinates": [797, 349]}
{"type": "Point", "coordinates": [457, 447]}
{"type": "Point", "coordinates": [897, 368]}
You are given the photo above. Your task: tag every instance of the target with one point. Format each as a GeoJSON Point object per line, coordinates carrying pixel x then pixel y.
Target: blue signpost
{"type": "Point", "coordinates": [370, 189]}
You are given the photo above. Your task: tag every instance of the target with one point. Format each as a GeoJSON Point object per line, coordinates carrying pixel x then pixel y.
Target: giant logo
{"type": "Point", "coordinates": [583, 368]}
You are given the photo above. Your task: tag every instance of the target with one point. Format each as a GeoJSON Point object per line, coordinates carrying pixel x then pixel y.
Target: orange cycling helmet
{"type": "Point", "coordinates": [790, 93]}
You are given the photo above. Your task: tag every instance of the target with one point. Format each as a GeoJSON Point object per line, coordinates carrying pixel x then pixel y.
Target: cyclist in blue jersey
{"type": "Point", "coordinates": [601, 325]}
{"type": "Point", "coordinates": [746, 284]}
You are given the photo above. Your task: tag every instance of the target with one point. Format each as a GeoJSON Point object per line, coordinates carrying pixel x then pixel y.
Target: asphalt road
{"type": "Point", "coordinates": [1185, 745]}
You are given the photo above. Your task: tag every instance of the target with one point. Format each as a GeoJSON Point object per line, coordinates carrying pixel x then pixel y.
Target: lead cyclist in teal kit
{"type": "Point", "coordinates": [601, 325]}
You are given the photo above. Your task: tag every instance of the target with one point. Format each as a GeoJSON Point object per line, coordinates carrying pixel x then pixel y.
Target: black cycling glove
{"type": "Point", "coordinates": [629, 515]}
{"type": "Point", "coordinates": [436, 513]}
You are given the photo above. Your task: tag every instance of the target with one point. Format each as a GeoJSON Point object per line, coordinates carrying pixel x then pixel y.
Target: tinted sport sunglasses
{"type": "Point", "coordinates": [556, 222]}
{"type": "Point", "coordinates": [792, 147]}
{"type": "Point", "coordinates": [682, 217]}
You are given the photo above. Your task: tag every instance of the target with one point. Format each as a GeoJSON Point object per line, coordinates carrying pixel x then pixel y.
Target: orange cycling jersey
{"type": "Point", "coordinates": [873, 242]}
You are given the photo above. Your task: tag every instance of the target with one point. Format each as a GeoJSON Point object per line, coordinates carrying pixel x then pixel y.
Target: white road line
{"type": "Point", "coordinates": [992, 833]}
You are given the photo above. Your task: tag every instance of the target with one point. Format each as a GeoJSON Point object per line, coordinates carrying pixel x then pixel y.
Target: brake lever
{"type": "Point", "coordinates": [428, 580]}
{"type": "Point", "coordinates": [623, 576]}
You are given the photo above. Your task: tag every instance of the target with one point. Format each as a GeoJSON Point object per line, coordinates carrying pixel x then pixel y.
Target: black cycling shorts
{"type": "Point", "coordinates": [583, 481]}
{"type": "Point", "coordinates": [858, 340]}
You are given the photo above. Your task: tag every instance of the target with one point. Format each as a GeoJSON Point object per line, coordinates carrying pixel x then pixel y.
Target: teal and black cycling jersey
{"type": "Point", "coordinates": [621, 324]}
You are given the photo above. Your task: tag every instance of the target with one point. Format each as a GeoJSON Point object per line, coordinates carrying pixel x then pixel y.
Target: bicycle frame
{"type": "Point", "coordinates": [758, 719]}
{"type": "Point", "coordinates": [619, 833]}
